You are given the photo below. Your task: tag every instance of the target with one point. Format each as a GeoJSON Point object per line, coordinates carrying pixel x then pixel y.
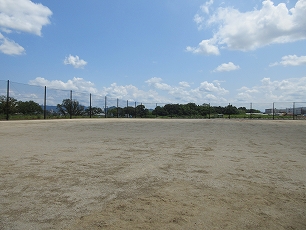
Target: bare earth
{"type": "Point", "coordinates": [152, 174]}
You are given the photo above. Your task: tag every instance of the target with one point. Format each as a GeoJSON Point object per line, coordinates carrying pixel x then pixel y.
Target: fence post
{"type": "Point", "coordinates": [127, 108]}
{"type": "Point", "coordinates": [208, 110]}
{"type": "Point", "coordinates": [7, 99]}
{"type": "Point", "coordinates": [251, 110]}
{"type": "Point", "coordinates": [293, 113]}
{"type": "Point", "coordinates": [135, 110]}
{"type": "Point", "coordinates": [70, 104]}
{"type": "Point", "coordinates": [229, 112]}
{"type": "Point", "coordinates": [105, 110]}
{"type": "Point", "coordinates": [273, 111]}
{"type": "Point", "coordinates": [90, 105]}
{"type": "Point", "coordinates": [117, 108]}
{"type": "Point", "coordinates": [45, 102]}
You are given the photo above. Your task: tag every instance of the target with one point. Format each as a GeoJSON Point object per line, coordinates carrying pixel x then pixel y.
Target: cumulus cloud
{"type": "Point", "coordinates": [77, 84]}
{"type": "Point", "coordinates": [199, 20]}
{"type": "Point", "coordinates": [205, 7]}
{"type": "Point", "coordinates": [75, 61]}
{"type": "Point", "coordinates": [184, 84]}
{"type": "Point", "coordinates": [132, 93]}
{"type": "Point", "coordinates": [212, 87]}
{"type": "Point", "coordinates": [158, 92]}
{"type": "Point", "coordinates": [183, 93]}
{"type": "Point", "coordinates": [21, 16]}
{"type": "Point", "coordinates": [291, 60]}
{"type": "Point", "coordinates": [292, 89]}
{"type": "Point", "coordinates": [157, 83]}
{"type": "Point", "coordinates": [250, 30]}
{"type": "Point", "coordinates": [10, 47]}
{"type": "Point", "coordinates": [265, 92]}
{"type": "Point", "coordinates": [226, 67]}
{"type": "Point", "coordinates": [206, 47]}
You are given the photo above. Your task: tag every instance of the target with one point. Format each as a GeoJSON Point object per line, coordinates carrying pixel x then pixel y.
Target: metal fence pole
{"type": "Point", "coordinates": [90, 111]}
{"type": "Point", "coordinates": [117, 108]}
{"type": "Point", "coordinates": [127, 108]}
{"type": "Point", "coordinates": [7, 99]}
{"type": "Point", "coordinates": [105, 104]}
{"type": "Point", "coordinates": [70, 104]}
{"type": "Point", "coordinates": [273, 111]}
{"type": "Point", "coordinates": [135, 110]}
{"type": "Point", "coordinates": [229, 112]}
{"type": "Point", "coordinates": [293, 113]}
{"type": "Point", "coordinates": [45, 103]}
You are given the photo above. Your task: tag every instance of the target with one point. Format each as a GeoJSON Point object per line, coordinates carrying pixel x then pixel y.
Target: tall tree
{"type": "Point", "coordinates": [141, 111]}
{"type": "Point", "coordinates": [8, 106]}
{"type": "Point", "coordinates": [29, 107]}
{"type": "Point", "coordinates": [70, 107]}
{"type": "Point", "coordinates": [94, 111]}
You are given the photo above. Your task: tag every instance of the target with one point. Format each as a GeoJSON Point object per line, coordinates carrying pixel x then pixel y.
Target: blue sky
{"type": "Point", "coordinates": [158, 51]}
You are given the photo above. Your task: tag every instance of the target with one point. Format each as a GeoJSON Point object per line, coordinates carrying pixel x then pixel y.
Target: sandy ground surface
{"type": "Point", "coordinates": [152, 174]}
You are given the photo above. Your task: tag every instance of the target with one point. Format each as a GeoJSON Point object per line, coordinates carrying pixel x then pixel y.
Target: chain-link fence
{"type": "Point", "coordinates": [23, 101]}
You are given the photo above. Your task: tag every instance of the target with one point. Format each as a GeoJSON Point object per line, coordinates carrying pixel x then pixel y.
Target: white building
{"type": "Point", "coordinates": [295, 111]}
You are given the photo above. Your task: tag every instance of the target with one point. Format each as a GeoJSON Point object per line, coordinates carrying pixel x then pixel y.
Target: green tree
{"type": "Point", "coordinates": [129, 111]}
{"type": "Point", "coordinates": [231, 110]}
{"type": "Point", "coordinates": [190, 109]}
{"type": "Point", "coordinates": [253, 111]}
{"type": "Point", "coordinates": [94, 111]}
{"type": "Point", "coordinates": [160, 111]}
{"type": "Point", "coordinates": [242, 110]}
{"type": "Point", "coordinates": [114, 112]}
{"type": "Point", "coordinates": [141, 111]}
{"type": "Point", "coordinates": [29, 108]}
{"type": "Point", "coordinates": [70, 107]}
{"type": "Point", "coordinates": [174, 109]}
{"type": "Point", "coordinates": [10, 107]}
{"type": "Point", "coordinates": [204, 109]}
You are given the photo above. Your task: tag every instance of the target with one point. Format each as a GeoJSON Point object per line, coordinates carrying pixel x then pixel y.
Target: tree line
{"type": "Point", "coordinates": [194, 110]}
{"type": "Point", "coordinates": [70, 108]}
{"type": "Point", "coordinates": [12, 106]}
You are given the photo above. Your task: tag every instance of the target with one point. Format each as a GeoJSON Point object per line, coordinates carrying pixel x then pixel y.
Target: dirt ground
{"type": "Point", "coordinates": [152, 174]}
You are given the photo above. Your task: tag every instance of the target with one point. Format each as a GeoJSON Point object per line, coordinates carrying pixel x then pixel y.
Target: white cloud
{"type": "Point", "coordinates": [159, 93]}
{"type": "Point", "coordinates": [184, 84]}
{"type": "Point", "coordinates": [205, 47]}
{"type": "Point", "coordinates": [21, 16]}
{"type": "Point", "coordinates": [225, 67]}
{"type": "Point", "coordinates": [77, 84]}
{"type": "Point", "coordinates": [131, 93]}
{"type": "Point", "coordinates": [250, 30]}
{"type": "Point", "coordinates": [205, 7]}
{"type": "Point", "coordinates": [291, 60]}
{"type": "Point", "coordinates": [199, 20]}
{"type": "Point", "coordinates": [157, 83]}
{"type": "Point", "coordinates": [10, 47]}
{"type": "Point", "coordinates": [292, 89]}
{"type": "Point", "coordinates": [24, 15]}
{"type": "Point", "coordinates": [266, 92]}
{"type": "Point", "coordinates": [212, 87]}
{"type": "Point", "coordinates": [75, 61]}
{"type": "Point", "coordinates": [183, 93]}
